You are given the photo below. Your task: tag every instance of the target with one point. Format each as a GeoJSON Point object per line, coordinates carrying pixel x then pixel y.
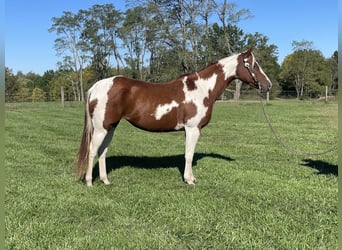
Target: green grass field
{"type": "Point", "coordinates": [250, 192]}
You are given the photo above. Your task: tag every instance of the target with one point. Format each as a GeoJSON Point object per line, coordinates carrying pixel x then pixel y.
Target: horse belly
{"type": "Point", "coordinates": [147, 121]}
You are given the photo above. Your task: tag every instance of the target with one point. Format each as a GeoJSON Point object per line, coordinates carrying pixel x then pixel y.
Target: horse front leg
{"type": "Point", "coordinates": [191, 138]}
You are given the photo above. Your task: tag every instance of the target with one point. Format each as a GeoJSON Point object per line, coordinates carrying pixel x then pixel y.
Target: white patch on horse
{"type": "Point", "coordinates": [228, 67]}
{"type": "Point", "coordinates": [99, 91]}
{"type": "Point", "coordinates": [262, 72]}
{"type": "Point", "coordinates": [197, 96]}
{"type": "Point", "coordinates": [164, 109]}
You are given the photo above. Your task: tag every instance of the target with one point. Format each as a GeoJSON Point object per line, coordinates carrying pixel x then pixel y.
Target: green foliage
{"type": "Point", "coordinates": [333, 66]}
{"type": "Point", "coordinates": [38, 95]}
{"type": "Point", "coordinates": [23, 95]}
{"type": "Point", "coordinates": [250, 194]}
{"type": "Point", "coordinates": [11, 85]}
{"type": "Point", "coordinates": [217, 39]}
{"type": "Point", "coordinates": [307, 71]}
{"type": "Point", "coordinates": [99, 36]}
{"type": "Point", "coordinates": [56, 84]}
{"type": "Point", "coordinates": [43, 82]}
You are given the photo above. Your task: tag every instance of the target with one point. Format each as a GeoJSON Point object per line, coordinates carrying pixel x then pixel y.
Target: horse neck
{"type": "Point", "coordinates": [225, 71]}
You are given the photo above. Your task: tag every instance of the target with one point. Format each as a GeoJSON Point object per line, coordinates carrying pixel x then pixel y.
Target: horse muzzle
{"type": "Point", "coordinates": [264, 87]}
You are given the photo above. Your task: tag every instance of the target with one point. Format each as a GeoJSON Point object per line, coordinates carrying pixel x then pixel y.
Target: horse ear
{"type": "Point", "coordinates": [249, 51]}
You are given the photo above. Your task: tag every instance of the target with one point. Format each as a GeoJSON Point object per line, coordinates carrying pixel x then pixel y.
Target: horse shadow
{"type": "Point", "coordinates": [154, 162]}
{"type": "Point", "coordinates": [323, 167]}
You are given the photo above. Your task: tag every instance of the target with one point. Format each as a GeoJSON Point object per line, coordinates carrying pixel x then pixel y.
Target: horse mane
{"type": "Point", "coordinates": [184, 75]}
{"type": "Point", "coordinates": [210, 64]}
{"type": "Point", "coordinates": [196, 72]}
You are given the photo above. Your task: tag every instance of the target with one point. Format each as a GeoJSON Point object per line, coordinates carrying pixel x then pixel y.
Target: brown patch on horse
{"type": "Point", "coordinates": [206, 119]}
{"type": "Point", "coordinates": [186, 112]}
{"type": "Point", "coordinates": [206, 101]}
{"type": "Point", "coordinates": [190, 82]}
{"type": "Point", "coordinates": [91, 107]}
{"type": "Point", "coordinates": [113, 107]}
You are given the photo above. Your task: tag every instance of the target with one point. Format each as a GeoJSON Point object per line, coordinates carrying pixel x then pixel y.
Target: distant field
{"type": "Point", "coordinates": [250, 192]}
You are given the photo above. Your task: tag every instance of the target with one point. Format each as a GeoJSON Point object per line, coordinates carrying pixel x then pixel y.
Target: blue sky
{"type": "Point", "coordinates": [29, 45]}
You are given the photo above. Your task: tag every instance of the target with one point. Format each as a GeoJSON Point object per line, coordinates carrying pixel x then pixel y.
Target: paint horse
{"type": "Point", "coordinates": [184, 103]}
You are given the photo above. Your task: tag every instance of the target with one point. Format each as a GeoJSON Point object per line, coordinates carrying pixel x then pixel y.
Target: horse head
{"type": "Point", "coordinates": [249, 71]}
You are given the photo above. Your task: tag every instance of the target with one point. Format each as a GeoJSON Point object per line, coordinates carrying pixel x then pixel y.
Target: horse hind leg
{"type": "Point", "coordinates": [97, 140]}
{"type": "Point", "coordinates": [102, 151]}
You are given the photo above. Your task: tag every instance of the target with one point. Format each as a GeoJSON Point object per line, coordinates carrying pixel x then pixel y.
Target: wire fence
{"type": "Point", "coordinates": [250, 94]}
{"type": "Point", "coordinates": [43, 97]}
{"type": "Point", "coordinates": [229, 94]}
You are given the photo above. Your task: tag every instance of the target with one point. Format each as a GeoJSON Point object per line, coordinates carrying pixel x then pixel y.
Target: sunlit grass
{"type": "Point", "coordinates": [250, 192]}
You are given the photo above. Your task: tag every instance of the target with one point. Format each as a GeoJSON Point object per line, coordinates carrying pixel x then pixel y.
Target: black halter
{"type": "Point", "coordinates": [247, 66]}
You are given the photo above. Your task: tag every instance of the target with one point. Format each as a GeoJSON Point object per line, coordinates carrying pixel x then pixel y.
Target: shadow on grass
{"type": "Point", "coordinates": [154, 162]}
{"type": "Point", "coordinates": [322, 166]}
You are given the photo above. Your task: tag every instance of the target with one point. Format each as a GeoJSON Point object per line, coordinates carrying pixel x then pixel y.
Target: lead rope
{"type": "Point", "coordinates": [286, 146]}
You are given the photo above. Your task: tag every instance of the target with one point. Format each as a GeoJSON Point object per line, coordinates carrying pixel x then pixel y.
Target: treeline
{"type": "Point", "coordinates": [157, 40]}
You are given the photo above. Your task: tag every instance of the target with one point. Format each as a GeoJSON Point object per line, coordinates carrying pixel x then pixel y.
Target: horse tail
{"type": "Point", "coordinates": [83, 152]}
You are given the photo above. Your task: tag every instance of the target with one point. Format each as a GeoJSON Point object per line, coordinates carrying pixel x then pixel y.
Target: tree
{"type": "Point", "coordinates": [302, 45]}
{"type": "Point", "coordinates": [217, 39]}
{"type": "Point", "coordinates": [159, 39]}
{"type": "Point", "coordinates": [55, 86]}
{"type": "Point", "coordinates": [38, 95]}
{"type": "Point", "coordinates": [133, 33]}
{"type": "Point", "coordinates": [172, 26]}
{"type": "Point", "coordinates": [333, 66]}
{"type": "Point", "coordinates": [30, 80]}
{"type": "Point", "coordinates": [11, 85]}
{"type": "Point", "coordinates": [305, 70]}
{"type": "Point", "coordinates": [43, 82]}
{"type": "Point", "coordinates": [23, 95]}
{"type": "Point", "coordinates": [206, 10]}
{"type": "Point", "coordinates": [99, 36]}
{"type": "Point", "coordinates": [69, 28]}
{"type": "Point", "coordinates": [301, 62]}
{"type": "Point", "coordinates": [230, 16]}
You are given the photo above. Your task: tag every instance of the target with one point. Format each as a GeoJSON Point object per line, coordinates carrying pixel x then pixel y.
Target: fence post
{"type": "Point", "coordinates": [62, 96]}
{"type": "Point", "coordinates": [326, 93]}
{"type": "Point", "coordinates": [267, 97]}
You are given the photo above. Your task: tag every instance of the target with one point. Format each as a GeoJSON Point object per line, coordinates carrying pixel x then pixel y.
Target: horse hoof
{"type": "Point", "coordinates": [190, 182]}
{"type": "Point", "coordinates": [106, 182]}
{"type": "Point", "coordinates": [89, 184]}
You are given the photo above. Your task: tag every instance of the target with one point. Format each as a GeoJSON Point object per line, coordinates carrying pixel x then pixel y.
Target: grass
{"type": "Point", "coordinates": [250, 192]}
